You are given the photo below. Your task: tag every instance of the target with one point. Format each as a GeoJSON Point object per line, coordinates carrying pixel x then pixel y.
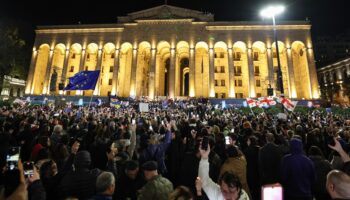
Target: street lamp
{"type": "Point", "coordinates": [271, 12]}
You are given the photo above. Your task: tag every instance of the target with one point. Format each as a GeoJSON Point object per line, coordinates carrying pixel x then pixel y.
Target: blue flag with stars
{"type": "Point", "coordinates": [84, 80]}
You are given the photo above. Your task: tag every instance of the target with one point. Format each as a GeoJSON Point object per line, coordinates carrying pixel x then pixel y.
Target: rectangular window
{"type": "Point", "coordinates": [222, 82]}
{"type": "Point", "coordinates": [112, 55]}
{"type": "Point", "coordinates": [239, 83]}
{"type": "Point", "coordinates": [238, 70]}
{"type": "Point", "coordinates": [73, 56]}
{"type": "Point", "coordinates": [216, 95]}
{"type": "Point", "coordinates": [88, 57]}
{"type": "Point", "coordinates": [109, 93]}
{"type": "Point", "coordinates": [222, 55]}
{"type": "Point", "coordinates": [216, 69]}
{"type": "Point", "coordinates": [256, 56]}
{"type": "Point", "coordinates": [68, 93]}
{"type": "Point", "coordinates": [223, 95]}
{"type": "Point", "coordinates": [111, 68]}
{"type": "Point", "coordinates": [239, 95]}
{"type": "Point", "coordinates": [86, 68]}
{"type": "Point", "coordinates": [275, 69]}
{"type": "Point", "coordinates": [215, 55]}
{"type": "Point", "coordinates": [258, 94]}
{"type": "Point", "coordinates": [110, 81]}
{"type": "Point", "coordinates": [274, 54]}
{"type": "Point", "coordinates": [222, 69]}
{"type": "Point", "coordinates": [71, 69]}
{"type": "Point", "coordinates": [216, 83]}
{"type": "Point", "coordinates": [256, 70]}
{"type": "Point", "coordinates": [257, 82]}
{"type": "Point", "coordinates": [237, 56]}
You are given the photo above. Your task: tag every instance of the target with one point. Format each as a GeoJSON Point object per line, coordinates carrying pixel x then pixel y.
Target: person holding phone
{"type": "Point", "coordinates": [229, 186]}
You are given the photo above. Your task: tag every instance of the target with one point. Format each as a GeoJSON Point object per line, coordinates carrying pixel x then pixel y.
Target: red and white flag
{"type": "Point", "coordinates": [251, 102]}
{"type": "Point", "coordinates": [288, 104]}
{"type": "Point", "coordinates": [266, 102]}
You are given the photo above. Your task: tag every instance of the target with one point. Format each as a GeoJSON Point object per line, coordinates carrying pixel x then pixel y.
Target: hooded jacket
{"type": "Point", "coordinates": [297, 172]}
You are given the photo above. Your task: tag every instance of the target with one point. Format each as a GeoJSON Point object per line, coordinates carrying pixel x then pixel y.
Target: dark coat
{"type": "Point", "coordinates": [297, 172]}
{"type": "Point", "coordinates": [270, 157]}
{"type": "Point", "coordinates": [322, 167]}
{"type": "Point", "coordinates": [252, 156]}
{"type": "Point", "coordinates": [80, 184]}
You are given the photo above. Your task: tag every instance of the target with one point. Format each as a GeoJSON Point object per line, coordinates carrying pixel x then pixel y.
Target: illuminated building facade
{"type": "Point", "coordinates": [172, 51]}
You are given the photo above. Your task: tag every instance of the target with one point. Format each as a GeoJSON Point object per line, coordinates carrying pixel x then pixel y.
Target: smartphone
{"type": "Point", "coordinates": [272, 192]}
{"type": "Point", "coordinates": [162, 122]}
{"type": "Point", "coordinates": [205, 143]}
{"type": "Point", "coordinates": [227, 140]}
{"type": "Point", "coordinates": [133, 121]}
{"type": "Point", "coordinates": [232, 130]}
{"type": "Point", "coordinates": [12, 158]}
{"type": "Point", "coordinates": [150, 128]}
{"type": "Point", "coordinates": [330, 140]}
{"type": "Point", "coordinates": [28, 168]}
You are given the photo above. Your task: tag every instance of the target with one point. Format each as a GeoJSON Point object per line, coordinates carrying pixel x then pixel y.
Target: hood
{"type": "Point", "coordinates": [296, 146]}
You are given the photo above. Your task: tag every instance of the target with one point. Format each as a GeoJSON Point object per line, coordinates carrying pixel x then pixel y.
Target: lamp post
{"type": "Point", "coordinates": [271, 12]}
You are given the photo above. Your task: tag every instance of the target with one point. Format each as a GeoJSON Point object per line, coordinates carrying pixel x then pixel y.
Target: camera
{"type": "Point", "coordinates": [28, 168]}
{"type": "Point", "coordinates": [12, 158]}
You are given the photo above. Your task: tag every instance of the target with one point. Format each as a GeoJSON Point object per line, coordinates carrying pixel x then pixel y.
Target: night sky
{"type": "Point", "coordinates": [328, 17]}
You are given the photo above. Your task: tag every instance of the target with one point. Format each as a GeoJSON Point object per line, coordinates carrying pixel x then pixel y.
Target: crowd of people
{"type": "Point", "coordinates": [186, 150]}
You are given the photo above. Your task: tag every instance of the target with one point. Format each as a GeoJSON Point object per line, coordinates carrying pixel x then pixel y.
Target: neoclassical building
{"type": "Point", "coordinates": [335, 81]}
{"type": "Point", "coordinates": [172, 51]}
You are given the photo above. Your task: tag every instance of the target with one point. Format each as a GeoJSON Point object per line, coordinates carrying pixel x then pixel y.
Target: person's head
{"type": "Point", "coordinates": [232, 152]}
{"type": "Point", "coordinates": [181, 193]}
{"type": "Point", "coordinates": [44, 141]}
{"type": "Point", "coordinates": [82, 160]}
{"type": "Point", "coordinates": [252, 141]}
{"type": "Point", "coordinates": [57, 129]}
{"type": "Point", "coordinates": [338, 184]}
{"type": "Point", "coordinates": [48, 169]}
{"type": "Point", "coordinates": [232, 138]}
{"type": "Point", "coordinates": [296, 146]}
{"type": "Point", "coordinates": [231, 186]}
{"type": "Point", "coordinates": [105, 183]}
{"type": "Point", "coordinates": [150, 169]}
{"type": "Point", "coordinates": [270, 138]}
{"type": "Point", "coordinates": [315, 151]}
{"type": "Point", "coordinates": [131, 169]}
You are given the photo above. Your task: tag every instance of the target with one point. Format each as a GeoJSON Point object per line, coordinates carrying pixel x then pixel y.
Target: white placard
{"type": "Point", "coordinates": [143, 107]}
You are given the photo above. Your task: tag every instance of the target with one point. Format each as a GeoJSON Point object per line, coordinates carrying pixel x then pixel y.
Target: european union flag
{"type": "Point", "coordinates": [84, 80]}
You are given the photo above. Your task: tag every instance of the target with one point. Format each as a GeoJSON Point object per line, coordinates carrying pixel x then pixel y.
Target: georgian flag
{"type": "Point", "coordinates": [251, 102]}
{"type": "Point", "coordinates": [288, 104]}
{"type": "Point", "coordinates": [266, 102]}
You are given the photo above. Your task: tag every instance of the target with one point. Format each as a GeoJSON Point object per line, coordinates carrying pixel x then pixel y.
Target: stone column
{"type": "Point", "coordinates": [115, 72]}
{"type": "Point", "coordinates": [133, 72]}
{"type": "Point", "coordinates": [251, 73]}
{"type": "Point", "coordinates": [46, 89]}
{"type": "Point", "coordinates": [152, 70]}
{"type": "Point", "coordinates": [172, 73]}
{"type": "Point", "coordinates": [231, 79]}
{"type": "Point", "coordinates": [314, 90]}
{"type": "Point", "coordinates": [211, 73]}
{"type": "Point", "coordinates": [192, 65]}
{"type": "Point", "coordinates": [29, 89]}
{"type": "Point", "coordinates": [98, 67]}
{"type": "Point", "coordinates": [82, 60]}
{"type": "Point", "coordinates": [65, 66]}
{"type": "Point", "coordinates": [292, 89]}
{"type": "Point", "coordinates": [270, 67]}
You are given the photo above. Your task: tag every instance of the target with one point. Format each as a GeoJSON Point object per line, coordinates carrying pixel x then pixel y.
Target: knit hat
{"type": "Point", "coordinates": [82, 159]}
{"type": "Point", "coordinates": [150, 166]}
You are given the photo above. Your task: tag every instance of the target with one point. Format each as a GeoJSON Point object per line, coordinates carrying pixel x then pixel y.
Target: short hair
{"type": "Point", "coordinates": [181, 193]}
{"type": "Point", "coordinates": [131, 165]}
{"type": "Point", "coordinates": [315, 151]}
{"type": "Point", "coordinates": [270, 137]}
{"type": "Point", "coordinates": [231, 180]}
{"type": "Point", "coordinates": [58, 129]}
{"type": "Point", "coordinates": [103, 181]}
{"type": "Point", "coordinates": [341, 181]}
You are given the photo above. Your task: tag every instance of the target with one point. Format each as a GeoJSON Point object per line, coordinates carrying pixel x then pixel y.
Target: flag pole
{"type": "Point", "coordinates": [97, 82]}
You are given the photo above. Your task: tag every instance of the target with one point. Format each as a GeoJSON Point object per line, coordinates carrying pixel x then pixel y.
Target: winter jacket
{"type": "Point", "coordinates": [322, 167]}
{"type": "Point", "coordinates": [270, 157]}
{"type": "Point", "coordinates": [157, 188]}
{"type": "Point", "coordinates": [297, 172]}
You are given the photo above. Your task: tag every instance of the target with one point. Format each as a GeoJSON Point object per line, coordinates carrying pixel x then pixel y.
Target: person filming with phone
{"type": "Point", "coordinates": [229, 187]}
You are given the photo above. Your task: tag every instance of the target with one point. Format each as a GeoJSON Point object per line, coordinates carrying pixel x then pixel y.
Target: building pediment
{"type": "Point", "coordinates": [166, 12]}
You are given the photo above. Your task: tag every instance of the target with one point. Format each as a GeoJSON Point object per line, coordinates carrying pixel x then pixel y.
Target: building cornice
{"type": "Point", "coordinates": [334, 66]}
{"type": "Point", "coordinates": [80, 30]}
